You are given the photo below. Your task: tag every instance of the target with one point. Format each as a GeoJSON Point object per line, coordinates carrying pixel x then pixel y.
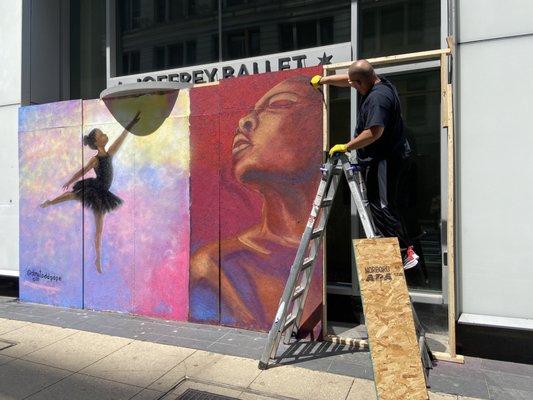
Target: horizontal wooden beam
{"type": "Point", "coordinates": [214, 83]}
{"type": "Point", "coordinates": [359, 343]}
{"type": "Point", "coordinates": [458, 359]}
{"type": "Point", "coordinates": [400, 58]}
{"type": "Point", "coordinates": [363, 344]}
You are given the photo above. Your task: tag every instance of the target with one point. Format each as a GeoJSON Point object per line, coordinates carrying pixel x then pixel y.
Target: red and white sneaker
{"type": "Point", "coordinates": [410, 258]}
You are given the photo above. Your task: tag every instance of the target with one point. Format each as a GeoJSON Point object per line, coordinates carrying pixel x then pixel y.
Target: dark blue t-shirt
{"type": "Point", "coordinates": [381, 107]}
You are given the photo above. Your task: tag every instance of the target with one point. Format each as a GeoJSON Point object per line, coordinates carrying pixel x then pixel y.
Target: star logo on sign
{"type": "Point", "coordinates": [324, 60]}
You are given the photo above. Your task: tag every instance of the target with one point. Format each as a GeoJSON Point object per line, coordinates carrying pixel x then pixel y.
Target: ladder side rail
{"type": "Point", "coordinates": [315, 248]}
{"type": "Point", "coordinates": [276, 330]}
{"type": "Point", "coordinates": [299, 303]}
{"type": "Point", "coordinates": [354, 179]}
{"type": "Point", "coordinates": [316, 222]}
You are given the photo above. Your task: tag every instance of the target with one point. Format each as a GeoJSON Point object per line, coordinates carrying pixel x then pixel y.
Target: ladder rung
{"type": "Point", "coordinates": [326, 202]}
{"type": "Point", "coordinates": [308, 262]}
{"type": "Point", "coordinates": [298, 292]}
{"type": "Point", "coordinates": [317, 233]}
{"type": "Point", "coordinates": [289, 322]}
{"type": "Point", "coordinates": [337, 170]}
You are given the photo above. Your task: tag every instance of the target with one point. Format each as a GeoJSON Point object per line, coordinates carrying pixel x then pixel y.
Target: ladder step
{"type": "Point", "coordinates": [288, 323]}
{"type": "Point", "coordinates": [308, 262]}
{"type": "Point", "coordinates": [298, 292]}
{"type": "Point", "coordinates": [326, 202]}
{"type": "Point", "coordinates": [317, 233]}
{"type": "Point", "coordinates": [338, 170]}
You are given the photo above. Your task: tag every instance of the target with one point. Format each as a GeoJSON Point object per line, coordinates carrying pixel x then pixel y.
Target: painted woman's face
{"type": "Point", "coordinates": [280, 139]}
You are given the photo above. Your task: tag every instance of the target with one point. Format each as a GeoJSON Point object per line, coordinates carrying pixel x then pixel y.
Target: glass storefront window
{"type": "Point", "coordinates": [398, 26]}
{"type": "Point", "coordinates": [338, 231]}
{"type": "Point", "coordinates": [178, 33]}
{"type": "Point", "coordinates": [280, 26]}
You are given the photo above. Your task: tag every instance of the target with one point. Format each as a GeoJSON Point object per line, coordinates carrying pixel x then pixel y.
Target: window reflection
{"type": "Point", "coordinates": [419, 94]}
{"type": "Point", "coordinates": [159, 34]}
{"type": "Point", "coordinates": [398, 26]}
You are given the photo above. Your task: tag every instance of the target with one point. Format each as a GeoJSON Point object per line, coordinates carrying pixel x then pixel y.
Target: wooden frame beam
{"type": "Point", "coordinates": [395, 59]}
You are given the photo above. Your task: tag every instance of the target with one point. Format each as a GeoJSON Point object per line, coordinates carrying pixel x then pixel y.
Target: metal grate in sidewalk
{"type": "Point", "coordinates": [192, 394]}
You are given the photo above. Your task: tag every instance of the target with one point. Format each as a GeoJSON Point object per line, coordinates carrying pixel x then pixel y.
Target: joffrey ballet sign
{"type": "Point", "coordinates": [258, 65]}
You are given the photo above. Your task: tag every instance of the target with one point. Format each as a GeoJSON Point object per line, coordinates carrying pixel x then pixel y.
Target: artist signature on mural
{"type": "Point", "coordinates": [37, 275]}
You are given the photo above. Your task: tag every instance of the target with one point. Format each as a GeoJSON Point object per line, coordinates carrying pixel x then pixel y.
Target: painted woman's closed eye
{"type": "Point", "coordinates": [282, 103]}
{"type": "Point", "coordinates": [282, 100]}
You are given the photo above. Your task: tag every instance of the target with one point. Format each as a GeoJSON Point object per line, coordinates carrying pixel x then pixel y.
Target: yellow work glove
{"type": "Point", "coordinates": [338, 148]}
{"type": "Point", "coordinates": [315, 81]}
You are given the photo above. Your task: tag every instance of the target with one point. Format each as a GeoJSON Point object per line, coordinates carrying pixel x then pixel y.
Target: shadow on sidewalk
{"type": "Point", "coordinates": [299, 352]}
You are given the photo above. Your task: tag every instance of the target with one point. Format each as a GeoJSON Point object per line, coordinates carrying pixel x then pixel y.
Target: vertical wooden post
{"type": "Point", "coordinates": [451, 222]}
{"type": "Point", "coordinates": [325, 148]}
{"type": "Point", "coordinates": [447, 122]}
{"type": "Point", "coordinates": [443, 89]}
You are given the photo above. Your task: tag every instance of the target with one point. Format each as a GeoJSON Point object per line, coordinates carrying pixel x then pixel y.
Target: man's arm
{"type": "Point", "coordinates": [340, 80]}
{"type": "Point", "coordinates": [368, 136]}
{"type": "Point", "coordinates": [365, 138]}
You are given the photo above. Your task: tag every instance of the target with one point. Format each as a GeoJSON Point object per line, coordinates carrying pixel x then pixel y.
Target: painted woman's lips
{"type": "Point", "coordinates": [240, 142]}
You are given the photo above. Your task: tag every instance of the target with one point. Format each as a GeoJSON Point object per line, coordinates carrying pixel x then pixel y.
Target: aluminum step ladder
{"type": "Point", "coordinates": [290, 309]}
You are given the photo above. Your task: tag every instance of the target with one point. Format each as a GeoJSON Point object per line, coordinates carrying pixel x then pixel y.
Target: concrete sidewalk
{"type": "Point", "coordinates": [54, 353]}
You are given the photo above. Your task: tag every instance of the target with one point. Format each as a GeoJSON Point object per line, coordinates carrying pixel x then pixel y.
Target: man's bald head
{"type": "Point", "coordinates": [362, 76]}
{"type": "Point", "coordinates": [362, 69]}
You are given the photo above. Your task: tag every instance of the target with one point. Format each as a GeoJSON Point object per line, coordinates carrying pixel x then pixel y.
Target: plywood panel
{"type": "Point", "coordinates": [204, 286]}
{"type": "Point", "coordinates": [50, 238]}
{"type": "Point", "coordinates": [268, 180]}
{"type": "Point", "coordinates": [398, 371]}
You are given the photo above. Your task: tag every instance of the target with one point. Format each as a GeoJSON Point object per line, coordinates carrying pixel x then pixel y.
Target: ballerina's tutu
{"type": "Point", "coordinates": [94, 192]}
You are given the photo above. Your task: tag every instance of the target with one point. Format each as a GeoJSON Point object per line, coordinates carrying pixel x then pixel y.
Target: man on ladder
{"type": "Point", "coordinates": [381, 146]}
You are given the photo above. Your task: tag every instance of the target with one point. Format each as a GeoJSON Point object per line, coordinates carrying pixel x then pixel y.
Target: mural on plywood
{"type": "Point", "coordinates": [270, 154]}
{"type": "Point", "coordinates": [133, 183]}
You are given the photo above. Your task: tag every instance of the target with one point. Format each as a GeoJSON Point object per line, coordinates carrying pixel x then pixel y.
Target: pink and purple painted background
{"type": "Point", "coordinates": [51, 244]}
{"type": "Point", "coordinates": [145, 244]}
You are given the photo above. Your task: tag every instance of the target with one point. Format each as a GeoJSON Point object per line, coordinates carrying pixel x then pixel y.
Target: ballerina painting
{"type": "Point", "coordinates": [94, 193]}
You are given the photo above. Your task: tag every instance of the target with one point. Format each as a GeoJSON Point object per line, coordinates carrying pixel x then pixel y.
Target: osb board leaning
{"type": "Point", "coordinates": [391, 332]}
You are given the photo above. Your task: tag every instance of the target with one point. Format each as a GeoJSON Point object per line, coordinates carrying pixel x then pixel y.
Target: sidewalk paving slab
{"type": "Point", "coordinates": [147, 394]}
{"type": "Point", "coordinates": [362, 390]}
{"type": "Point", "coordinates": [33, 337]}
{"type": "Point", "coordinates": [84, 387]}
{"type": "Point", "coordinates": [498, 393]}
{"type": "Point", "coordinates": [77, 351]}
{"type": "Point", "coordinates": [138, 363]}
{"type": "Point", "coordinates": [20, 378]}
{"type": "Point", "coordinates": [8, 325]}
{"type": "Point", "coordinates": [305, 384]}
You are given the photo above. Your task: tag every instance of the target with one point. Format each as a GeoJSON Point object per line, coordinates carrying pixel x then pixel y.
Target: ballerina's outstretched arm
{"type": "Point", "coordinates": [118, 142]}
{"type": "Point", "coordinates": [93, 162]}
